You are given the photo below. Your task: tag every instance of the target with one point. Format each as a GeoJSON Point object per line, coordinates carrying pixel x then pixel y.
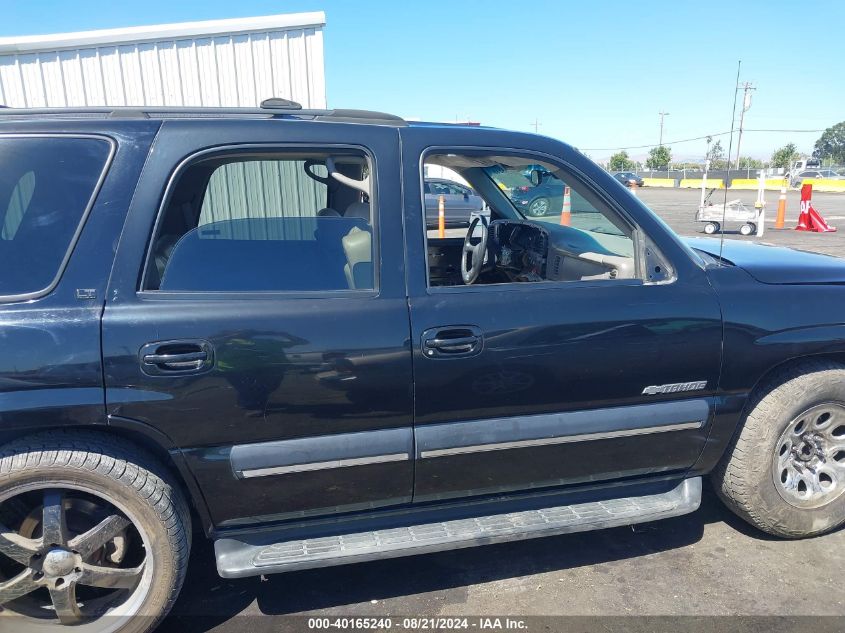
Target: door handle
{"type": "Point", "coordinates": [454, 341]}
{"type": "Point", "coordinates": [192, 356]}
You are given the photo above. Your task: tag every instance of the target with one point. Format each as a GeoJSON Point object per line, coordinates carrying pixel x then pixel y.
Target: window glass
{"type": "Point", "coordinates": [46, 184]}
{"type": "Point", "coordinates": [268, 223]}
{"type": "Point", "coordinates": [543, 225]}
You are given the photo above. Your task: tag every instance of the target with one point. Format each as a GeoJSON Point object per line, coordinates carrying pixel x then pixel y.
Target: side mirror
{"type": "Point", "coordinates": [535, 177]}
{"type": "Point", "coordinates": [466, 196]}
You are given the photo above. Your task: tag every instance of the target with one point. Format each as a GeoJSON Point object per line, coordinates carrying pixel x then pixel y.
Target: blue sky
{"type": "Point", "coordinates": [595, 74]}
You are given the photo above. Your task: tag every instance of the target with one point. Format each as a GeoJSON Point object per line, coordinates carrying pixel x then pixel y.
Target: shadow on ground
{"type": "Point", "coordinates": [208, 601]}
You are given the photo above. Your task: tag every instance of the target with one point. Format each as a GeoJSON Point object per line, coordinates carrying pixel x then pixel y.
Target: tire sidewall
{"type": "Point", "coordinates": [795, 521]}
{"type": "Point", "coordinates": [128, 499]}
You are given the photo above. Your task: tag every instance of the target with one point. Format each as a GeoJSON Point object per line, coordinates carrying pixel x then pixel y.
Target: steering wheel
{"type": "Point", "coordinates": [473, 254]}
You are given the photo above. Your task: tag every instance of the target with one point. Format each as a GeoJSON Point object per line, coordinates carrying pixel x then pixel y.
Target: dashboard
{"type": "Point", "coordinates": [528, 251]}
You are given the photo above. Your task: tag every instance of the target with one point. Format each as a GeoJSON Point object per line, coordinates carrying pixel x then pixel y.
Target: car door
{"type": "Point", "coordinates": [526, 385]}
{"type": "Point", "coordinates": [268, 345]}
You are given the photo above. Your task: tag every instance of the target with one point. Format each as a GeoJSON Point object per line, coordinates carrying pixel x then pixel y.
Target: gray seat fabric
{"type": "Point", "coordinates": [358, 210]}
{"type": "Point", "coordinates": [358, 248]}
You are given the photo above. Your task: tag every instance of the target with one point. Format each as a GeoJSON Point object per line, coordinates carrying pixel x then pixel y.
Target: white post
{"type": "Point", "coordinates": [761, 204]}
{"type": "Point", "coordinates": [704, 183]}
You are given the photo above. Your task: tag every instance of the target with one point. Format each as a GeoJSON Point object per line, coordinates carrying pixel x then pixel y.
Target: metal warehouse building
{"type": "Point", "coordinates": [224, 63]}
{"type": "Point", "coordinates": [215, 63]}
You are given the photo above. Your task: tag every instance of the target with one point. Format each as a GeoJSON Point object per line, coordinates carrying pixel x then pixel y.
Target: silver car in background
{"type": "Point", "coordinates": [461, 202]}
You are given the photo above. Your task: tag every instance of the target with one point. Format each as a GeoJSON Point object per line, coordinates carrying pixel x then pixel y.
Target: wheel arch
{"type": "Point", "coordinates": [152, 441]}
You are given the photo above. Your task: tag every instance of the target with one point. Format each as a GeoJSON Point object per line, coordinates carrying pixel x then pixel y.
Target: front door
{"type": "Point", "coordinates": [267, 337]}
{"type": "Point", "coordinates": [555, 369]}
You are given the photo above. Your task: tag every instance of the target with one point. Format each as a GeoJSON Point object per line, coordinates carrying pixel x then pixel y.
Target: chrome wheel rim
{"type": "Point", "coordinates": [539, 207]}
{"type": "Point", "coordinates": [808, 465]}
{"type": "Point", "coordinates": [76, 558]}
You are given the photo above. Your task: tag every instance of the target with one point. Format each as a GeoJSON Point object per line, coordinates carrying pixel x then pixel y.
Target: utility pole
{"type": "Point", "coordinates": [536, 124]}
{"type": "Point", "coordinates": [662, 115]}
{"type": "Point", "coordinates": [747, 87]}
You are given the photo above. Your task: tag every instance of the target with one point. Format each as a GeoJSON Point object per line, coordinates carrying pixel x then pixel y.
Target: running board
{"type": "Point", "coordinates": [238, 559]}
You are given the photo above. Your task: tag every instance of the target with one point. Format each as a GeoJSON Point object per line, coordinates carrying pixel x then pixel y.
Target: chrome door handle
{"type": "Point", "coordinates": [165, 358]}
{"type": "Point", "coordinates": [453, 341]}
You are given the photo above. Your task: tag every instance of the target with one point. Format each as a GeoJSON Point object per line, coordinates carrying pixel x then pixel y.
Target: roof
{"type": "Point", "coordinates": [175, 31]}
{"type": "Point", "coordinates": [163, 112]}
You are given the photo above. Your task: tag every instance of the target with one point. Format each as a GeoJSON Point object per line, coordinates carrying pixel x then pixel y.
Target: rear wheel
{"type": "Point", "coordinates": [747, 229]}
{"type": "Point", "coordinates": [711, 227]}
{"type": "Point", "coordinates": [539, 207]}
{"type": "Point", "coordinates": [785, 470]}
{"type": "Point", "coordinates": [91, 535]}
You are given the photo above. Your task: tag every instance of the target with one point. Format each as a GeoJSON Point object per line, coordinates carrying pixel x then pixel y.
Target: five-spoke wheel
{"type": "Point", "coordinates": [71, 553]}
{"type": "Point", "coordinates": [92, 534]}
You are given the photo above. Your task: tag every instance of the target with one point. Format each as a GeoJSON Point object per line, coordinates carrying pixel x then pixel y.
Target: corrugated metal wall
{"type": "Point", "coordinates": [159, 66]}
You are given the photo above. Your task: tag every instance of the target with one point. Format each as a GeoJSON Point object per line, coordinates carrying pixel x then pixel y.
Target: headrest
{"type": "Point", "coordinates": [358, 210]}
{"type": "Point", "coordinates": [328, 213]}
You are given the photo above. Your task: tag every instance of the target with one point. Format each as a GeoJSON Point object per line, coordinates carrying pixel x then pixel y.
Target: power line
{"type": "Point", "coordinates": [689, 140]}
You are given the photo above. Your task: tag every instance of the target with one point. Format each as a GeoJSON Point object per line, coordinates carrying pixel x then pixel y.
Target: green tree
{"type": "Point", "coordinates": [621, 162]}
{"type": "Point", "coordinates": [784, 156]}
{"type": "Point", "coordinates": [831, 143]}
{"type": "Point", "coordinates": [658, 157]}
{"type": "Point", "coordinates": [746, 162]}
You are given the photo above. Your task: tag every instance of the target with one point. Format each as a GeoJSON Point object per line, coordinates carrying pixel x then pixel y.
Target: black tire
{"type": "Point", "coordinates": [745, 477]}
{"type": "Point", "coordinates": [133, 487]}
{"type": "Point", "coordinates": [539, 207]}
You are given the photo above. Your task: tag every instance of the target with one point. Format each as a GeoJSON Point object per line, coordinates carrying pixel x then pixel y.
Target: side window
{"type": "Point", "coordinates": [282, 222]}
{"type": "Point", "coordinates": [544, 226]}
{"type": "Point", "coordinates": [46, 186]}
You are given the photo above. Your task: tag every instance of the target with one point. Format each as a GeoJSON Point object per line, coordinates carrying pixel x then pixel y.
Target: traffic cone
{"type": "Point", "coordinates": [804, 216]}
{"type": "Point", "coordinates": [566, 212]}
{"type": "Point", "coordinates": [634, 189]}
{"type": "Point", "coordinates": [441, 216]}
{"type": "Point", "coordinates": [781, 209]}
{"type": "Point", "coordinates": [818, 224]}
{"type": "Point", "coordinates": [810, 219]}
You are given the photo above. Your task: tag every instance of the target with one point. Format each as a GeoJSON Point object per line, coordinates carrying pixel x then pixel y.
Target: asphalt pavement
{"type": "Point", "coordinates": [709, 563]}
{"type": "Point", "coordinates": [677, 207]}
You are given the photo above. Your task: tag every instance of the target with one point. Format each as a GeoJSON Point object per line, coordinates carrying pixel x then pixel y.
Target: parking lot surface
{"type": "Point", "coordinates": [677, 207]}
{"type": "Point", "coordinates": [708, 563]}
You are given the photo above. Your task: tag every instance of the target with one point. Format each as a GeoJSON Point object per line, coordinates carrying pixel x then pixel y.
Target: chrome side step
{"type": "Point", "coordinates": [237, 559]}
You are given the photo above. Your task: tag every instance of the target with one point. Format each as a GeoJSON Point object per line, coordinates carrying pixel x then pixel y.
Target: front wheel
{"type": "Point", "coordinates": [747, 229]}
{"type": "Point", "coordinates": [711, 227]}
{"type": "Point", "coordinates": [785, 469]}
{"type": "Point", "coordinates": [92, 535]}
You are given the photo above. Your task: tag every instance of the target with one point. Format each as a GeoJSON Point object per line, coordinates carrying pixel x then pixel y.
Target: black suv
{"type": "Point", "coordinates": [236, 323]}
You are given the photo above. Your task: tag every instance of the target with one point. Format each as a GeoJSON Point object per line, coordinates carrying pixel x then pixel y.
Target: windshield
{"type": "Point", "coordinates": [537, 193]}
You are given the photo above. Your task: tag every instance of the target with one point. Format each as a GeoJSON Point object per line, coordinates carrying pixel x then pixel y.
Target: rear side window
{"type": "Point", "coordinates": [288, 222]}
{"type": "Point", "coordinates": [46, 187]}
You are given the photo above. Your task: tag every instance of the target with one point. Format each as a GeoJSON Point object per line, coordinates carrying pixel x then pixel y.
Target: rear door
{"type": "Point", "coordinates": [530, 384]}
{"type": "Point", "coordinates": [269, 344]}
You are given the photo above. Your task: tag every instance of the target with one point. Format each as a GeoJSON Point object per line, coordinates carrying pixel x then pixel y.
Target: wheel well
{"type": "Point", "coordinates": [180, 476]}
{"type": "Point", "coordinates": [766, 378]}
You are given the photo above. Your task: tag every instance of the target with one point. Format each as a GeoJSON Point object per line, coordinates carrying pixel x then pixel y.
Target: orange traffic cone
{"type": "Point", "coordinates": [781, 209]}
{"type": "Point", "coordinates": [634, 189]}
{"type": "Point", "coordinates": [441, 216]}
{"type": "Point", "coordinates": [566, 212]}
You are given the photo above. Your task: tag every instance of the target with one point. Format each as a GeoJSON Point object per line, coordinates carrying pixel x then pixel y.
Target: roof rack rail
{"type": "Point", "coordinates": [274, 103]}
{"type": "Point", "coordinates": [278, 108]}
